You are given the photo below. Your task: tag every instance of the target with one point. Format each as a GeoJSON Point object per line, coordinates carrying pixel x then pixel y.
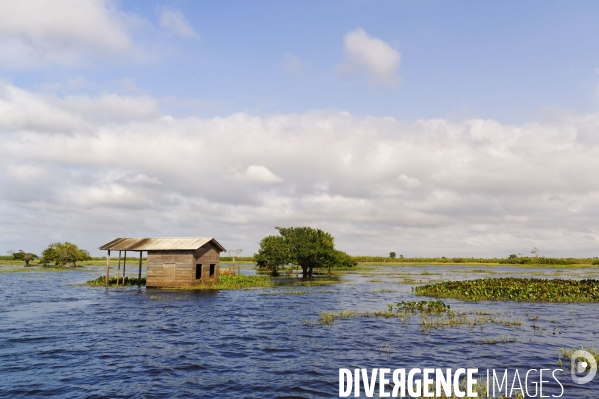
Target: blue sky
{"type": "Point", "coordinates": [464, 128]}
{"type": "Point", "coordinates": [500, 60]}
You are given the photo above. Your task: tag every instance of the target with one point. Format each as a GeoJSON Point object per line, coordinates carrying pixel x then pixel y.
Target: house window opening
{"type": "Point", "coordinates": [212, 267]}
{"type": "Point", "coordinates": [198, 271]}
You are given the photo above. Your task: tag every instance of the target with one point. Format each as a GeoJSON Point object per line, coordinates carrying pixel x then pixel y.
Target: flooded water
{"type": "Point", "coordinates": [65, 340]}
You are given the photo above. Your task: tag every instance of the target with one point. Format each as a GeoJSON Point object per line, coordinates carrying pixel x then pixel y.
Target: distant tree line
{"type": "Point", "coordinates": [60, 254]}
{"type": "Point", "coordinates": [510, 260]}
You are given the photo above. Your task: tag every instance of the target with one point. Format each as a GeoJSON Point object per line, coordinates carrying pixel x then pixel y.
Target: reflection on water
{"type": "Point", "coordinates": [72, 341]}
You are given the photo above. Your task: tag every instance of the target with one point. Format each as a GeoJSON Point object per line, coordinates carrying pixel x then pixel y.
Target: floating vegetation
{"type": "Point", "coordinates": [327, 318]}
{"type": "Point", "coordinates": [381, 291]}
{"type": "Point", "coordinates": [495, 341]}
{"type": "Point", "coordinates": [433, 315]}
{"type": "Point", "coordinates": [238, 282]}
{"type": "Point", "coordinates": [515, 289]}
{"type": "Point", "coordinates": [407, 280]}
{"type": "Point", "coordinates": [226, 282]}
{"type": "Point", "coordinates": [423, 306]}
{"type": "Point", "coordinates": [112, 281]}
{"type": "Point", "coordinates": [318, 282]}
{"type": "Point", "coordinates": [285, 292]}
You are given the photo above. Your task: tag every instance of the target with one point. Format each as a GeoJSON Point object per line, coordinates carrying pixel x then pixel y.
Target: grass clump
{"type": "Point", "coordinates": [129, 281]}
{"type": "Point", "coordinates": [241, 282]}
{"type": "Point", "coordinates": [228, 282]}
{"type": "Point", "coordinates": [433, 315]}
{"type": "Point", "coordinates": [495, 341]}
{"type": "Point", "coordinates": [327, 318]}
{"type": "Point", "coordinates": [515, 289]}
{"type": "Point", "coordinates": [423, 306]}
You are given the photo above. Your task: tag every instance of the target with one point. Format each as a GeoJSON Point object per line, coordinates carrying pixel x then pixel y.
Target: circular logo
{"type": "Point", "coordinates": [583, 361]}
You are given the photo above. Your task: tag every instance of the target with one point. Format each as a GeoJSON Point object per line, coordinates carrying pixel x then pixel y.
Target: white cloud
{"type": "Point", "coordinates": [36, 32]}
{"type": "Point", "coordinates": [427, 187]}
{"type": "Point", "coordinates": [21, 110]}
{"type": "Point", "coordinates": [258, 174]}
{"type": "Point", "coordinates": [176, 23]}
{"type": "Point", "coordinates": [372, 55]}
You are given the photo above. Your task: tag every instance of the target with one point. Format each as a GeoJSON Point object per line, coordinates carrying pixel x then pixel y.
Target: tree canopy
{"type": "Point", "coordinates": [24, 256]}
{"type": "Point", "coordinates": [302, 246]}
{"type": "Point", "coordinates": [62, 253]}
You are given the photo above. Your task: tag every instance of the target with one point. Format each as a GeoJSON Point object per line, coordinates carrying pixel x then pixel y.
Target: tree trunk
{"type": "Point", "coordinates": [304, 271]}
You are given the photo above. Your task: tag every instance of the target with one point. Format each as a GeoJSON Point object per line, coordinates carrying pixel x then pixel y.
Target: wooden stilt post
{"type": "Point", "coordinates": [118, 273]}
{"type": "Point", "coordinates": [139, 275]}
{"type": "Point", "coordinates": [107, 268]}
{"type": "Point", "coordinates": [124, 263]}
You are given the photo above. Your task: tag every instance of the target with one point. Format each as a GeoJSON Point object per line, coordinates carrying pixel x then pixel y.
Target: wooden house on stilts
{"type": "Point", "coordinates": [172, 262]}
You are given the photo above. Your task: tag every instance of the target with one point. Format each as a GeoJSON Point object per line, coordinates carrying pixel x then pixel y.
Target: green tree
{"type": "Point", "coordinates": [273, 253]}
{"type": "Point", "coordinates": [24, 256]}
{"type": "Point", "coordinates": [343, 260]}
{"type": "Point", "coordinates": [63, 253]}
{"type": "Point", "coordinates": [392, 255]}
{"type": "Point", "coordinates": [302, 246]}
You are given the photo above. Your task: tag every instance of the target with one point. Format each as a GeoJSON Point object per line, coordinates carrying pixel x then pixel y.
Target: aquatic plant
{"type": "Point", "coordinates": [327, 318]}
{"type": "Point", "coordinates": [317, 282]}
{"type": "Point", "coordinates": [112, 281]}
{"type": "Point", "coordinates": [424, 306]}
{"type": "Point", "coordinates": [287, 292]}
{"type": "Point", "coordinates": [227, 282]}
{"type": "Point", "coordinates": [514, 289]}
{"type": "Point", "coordinates": [381, 291]}
{"type": "Point", "coordinates": [239, 281]}
{"type": "Point", "coordinates": [495, 341]}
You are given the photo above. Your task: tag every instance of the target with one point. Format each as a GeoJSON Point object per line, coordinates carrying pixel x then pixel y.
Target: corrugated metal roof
{"type": "Point", "coordinates": [159, 243]}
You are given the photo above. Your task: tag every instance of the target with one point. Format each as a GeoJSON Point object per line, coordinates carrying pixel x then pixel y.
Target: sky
{"type": "Point", "coordinates": [425, 128]}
